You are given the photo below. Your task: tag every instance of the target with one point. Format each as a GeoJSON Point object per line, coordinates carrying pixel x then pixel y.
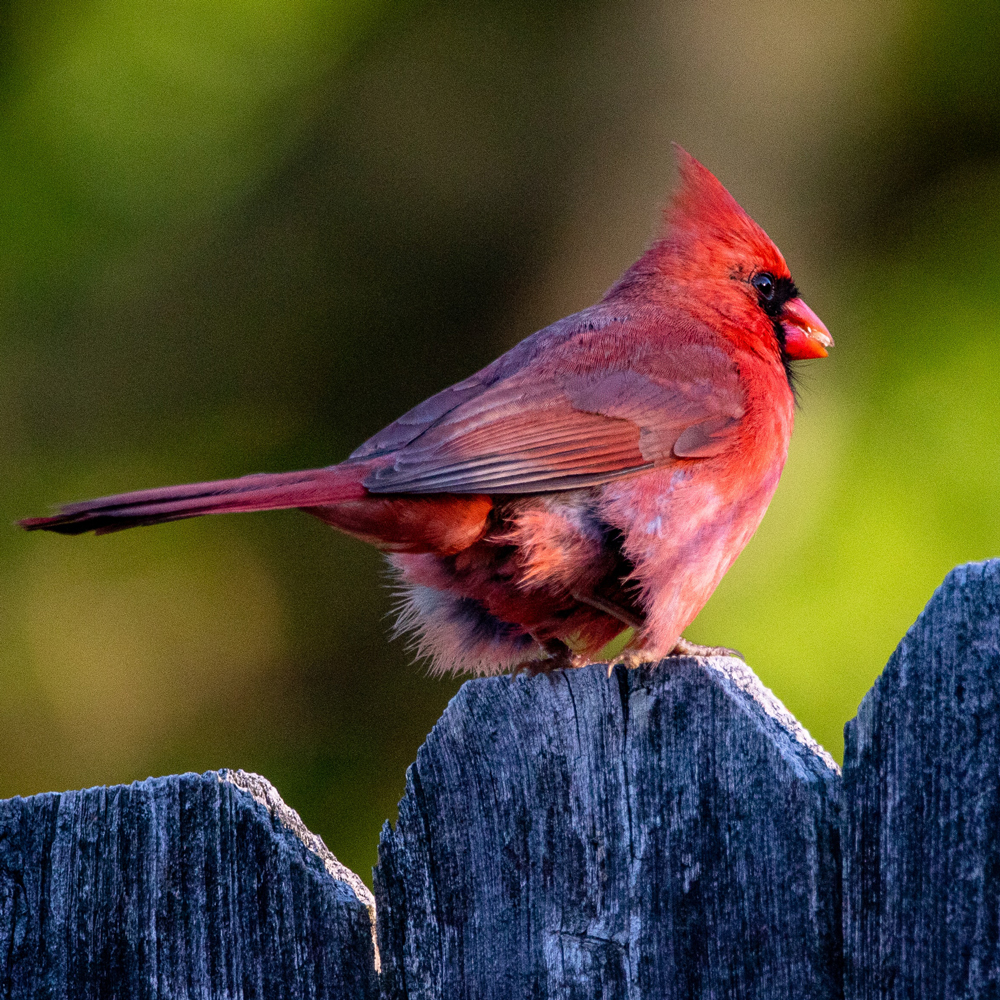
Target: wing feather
{"type": "Point", "coordinates": [606, 401]}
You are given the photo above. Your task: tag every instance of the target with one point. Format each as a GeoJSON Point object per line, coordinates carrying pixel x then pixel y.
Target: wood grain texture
{"type": "Point", "coordinates": [192, 886]}
{"type": "Point", "coordinates": [922, 806]}
{"type": "Point", "coordinates": [668, 832]}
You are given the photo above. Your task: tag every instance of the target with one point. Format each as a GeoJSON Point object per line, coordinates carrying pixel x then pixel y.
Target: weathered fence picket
{"type": "Point", "coordinates": [667, 832]}
{"type": "Point", "coordinates": [189, 886]}
{"type": "Point", "coordinates": [922, 806]}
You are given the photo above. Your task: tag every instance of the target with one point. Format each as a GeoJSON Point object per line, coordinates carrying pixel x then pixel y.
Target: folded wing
{"type": "Point", "coordinates": [601, 405]}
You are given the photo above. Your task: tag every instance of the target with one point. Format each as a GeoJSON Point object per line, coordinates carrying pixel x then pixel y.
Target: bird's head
{"type": "Point", "coordinates": [713, 254]}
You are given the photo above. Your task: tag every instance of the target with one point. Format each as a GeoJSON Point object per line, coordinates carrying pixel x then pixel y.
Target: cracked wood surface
{"type": "Point", "coordinates": [922, 806]}
{"type": "Point", "coordinates": [662, 832]}
{"type": "Point", "coordinates": [190, 886]}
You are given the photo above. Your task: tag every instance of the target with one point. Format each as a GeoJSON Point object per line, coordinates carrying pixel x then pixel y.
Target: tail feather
{"type": "Point", "coordinates": [262, 491]}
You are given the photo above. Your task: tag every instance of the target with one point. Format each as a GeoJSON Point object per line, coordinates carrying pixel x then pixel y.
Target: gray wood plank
{"type": "Point", "coordinates": [667, 832]}
{"type": "Point", "coordinates": [195, 886]}
{"type": "Point", "coordinates": [922, 806]}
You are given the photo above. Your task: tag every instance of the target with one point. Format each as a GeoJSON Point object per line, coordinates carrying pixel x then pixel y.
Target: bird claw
{"type": "Point", "coordinates": [685, 648]}
{"type": "Point", "coordinates": [629, 659]}
{"type": "Point", "coordinates": [533, 668]}
{"type": "Point", "coordinates": [556, 656]}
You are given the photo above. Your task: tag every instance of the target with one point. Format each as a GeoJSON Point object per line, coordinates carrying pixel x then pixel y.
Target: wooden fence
{"type": "Point", "coordinates": [669, 832]}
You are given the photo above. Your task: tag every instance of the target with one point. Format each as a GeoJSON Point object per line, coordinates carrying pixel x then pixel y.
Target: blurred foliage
{"type": "Point", "coordinates": [243, 236]}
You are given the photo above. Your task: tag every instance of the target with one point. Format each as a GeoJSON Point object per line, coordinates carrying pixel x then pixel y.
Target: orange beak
{"type": "Point", "coordinates": [805, 335]}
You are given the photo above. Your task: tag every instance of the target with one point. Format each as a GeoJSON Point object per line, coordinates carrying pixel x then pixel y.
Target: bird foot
{"type": "Point", "coordinates": [685, 648]}
{"type": "Point", "coordinates": [630, 659]}
{"type": "Point", "coordinates": [557, 656]}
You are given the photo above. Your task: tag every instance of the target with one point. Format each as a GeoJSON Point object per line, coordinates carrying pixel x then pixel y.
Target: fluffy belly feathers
{"type": "Point", "coordinates": [578, 568]}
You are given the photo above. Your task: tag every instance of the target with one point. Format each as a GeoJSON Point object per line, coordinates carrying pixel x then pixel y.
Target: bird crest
{"type": "Point", "coordinates": [703, 216]}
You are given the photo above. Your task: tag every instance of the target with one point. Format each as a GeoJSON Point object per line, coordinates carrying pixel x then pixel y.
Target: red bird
{"type": "Point", "coordinates": [601, 475]}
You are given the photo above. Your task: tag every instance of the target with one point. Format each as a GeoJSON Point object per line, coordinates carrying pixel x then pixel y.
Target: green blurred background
{"type": "Point", "coordinates": [242, 236]}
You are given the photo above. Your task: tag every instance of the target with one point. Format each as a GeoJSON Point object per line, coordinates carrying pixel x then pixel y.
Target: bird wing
{"type": "Point", "coordinates": [594, 403]}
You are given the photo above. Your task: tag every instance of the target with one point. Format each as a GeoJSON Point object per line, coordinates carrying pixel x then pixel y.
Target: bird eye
{"type": "Point", "coordinates": [764, 283]}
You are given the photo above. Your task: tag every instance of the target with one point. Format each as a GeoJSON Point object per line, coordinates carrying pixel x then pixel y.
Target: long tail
{"type": "Point", "coordinates": [264, 491]}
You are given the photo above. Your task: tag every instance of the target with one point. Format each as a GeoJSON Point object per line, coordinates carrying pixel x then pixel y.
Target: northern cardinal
{"type": "Point", "coordinates": [601, 475]}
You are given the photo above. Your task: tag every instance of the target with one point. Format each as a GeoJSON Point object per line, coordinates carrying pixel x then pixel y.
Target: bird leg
{"type": "Point", "coordinates": [623, 615]}
{"type": "Point", "coordinates": [627, 658]}
{"type": "Point", "coordinates": [685, 648]}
